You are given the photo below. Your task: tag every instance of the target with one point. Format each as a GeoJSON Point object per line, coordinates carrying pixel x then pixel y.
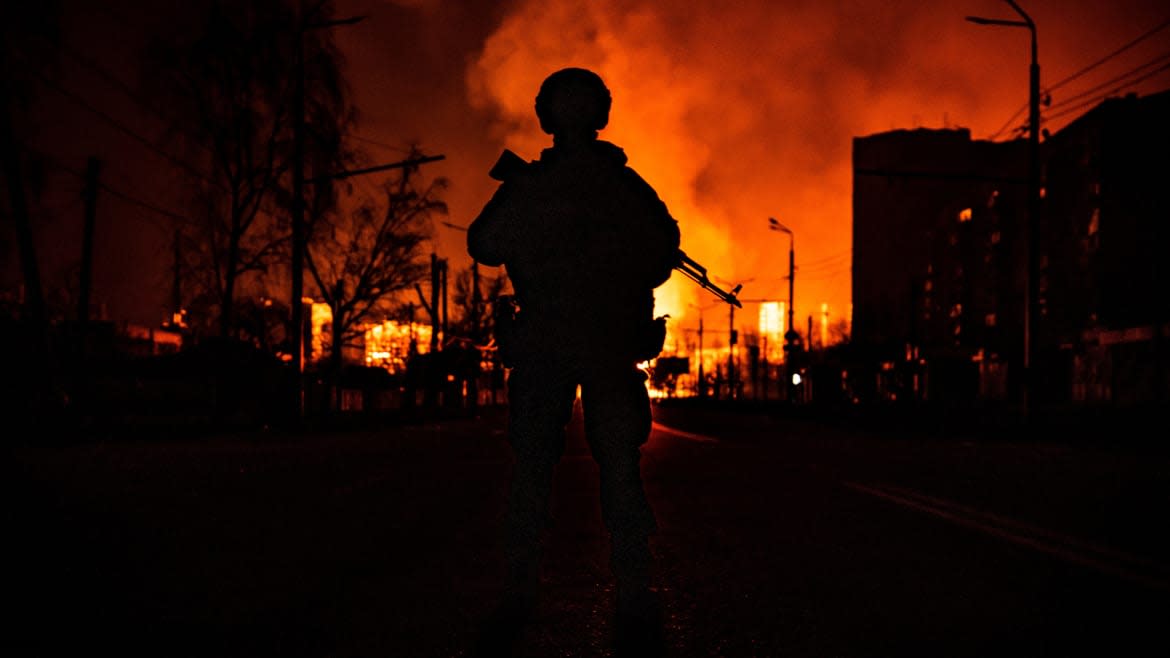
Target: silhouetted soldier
{"type": "Point", "coordinates": [585, 241]}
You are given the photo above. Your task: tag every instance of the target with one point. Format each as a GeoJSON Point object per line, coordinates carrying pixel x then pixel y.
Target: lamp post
{"type": "Point", "coordinates": [1032, 288]}
{"type": "Point", "coordinates": [791, 337]}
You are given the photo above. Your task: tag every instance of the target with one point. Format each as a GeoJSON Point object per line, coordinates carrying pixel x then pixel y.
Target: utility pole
{"type": "Point", "coordinates": [1032, 322]}
{"type": "Point", "coordinates": [476, 300]}
{"type": "Point", "coordinates": [731, 342]}
{"type": "Point", "coordinates": [33, 306]}
{"type": "Point", "coordinates": [296, 307]}
{"type": "Point", "coordinates": [791, 336]}
{"type": "Point", "coordinates": [1031, 238]}
{"type": "Point", "coordinates": [177, 281]}
{"type": "Point", "coordinates": [436, 321]}
{"type": "Point", "coordinates": [298, 223]}
{"type": "Point", "coordinates": [702, 376]}
{"type": "Point", "coordinates": [93, 167]}
{"type": "Point", "coordinates": [791, 279]}
{"type": "Point", "coordinates": [443, 294]}
{"type": "Point", "coordinates": [298, 201]}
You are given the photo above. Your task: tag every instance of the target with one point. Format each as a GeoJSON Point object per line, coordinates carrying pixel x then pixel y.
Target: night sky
{"type": "Point", "coordinates": [735, 112]}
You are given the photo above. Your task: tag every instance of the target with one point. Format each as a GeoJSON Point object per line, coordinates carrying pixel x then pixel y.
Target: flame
{"type": "Point", "coordinates": [652, 100]}
{"type": "Point", "coordinates": [388, 344]}
{"type": "Point", "coordinates": [737, 113]}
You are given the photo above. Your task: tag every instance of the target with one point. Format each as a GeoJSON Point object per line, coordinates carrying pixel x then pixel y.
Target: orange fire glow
{"type": "Point", "coordinates": [737, 113]}
{"type": "Point", "coordinates": [388, 344]}
{"type": "Point", "coordinates": [698, 125]}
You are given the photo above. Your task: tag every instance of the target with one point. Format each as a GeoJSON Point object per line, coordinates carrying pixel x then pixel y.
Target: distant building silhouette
{"type": "Point", "coordinates": [1105, 238]}
{"type": "Point", "coordinates": [937, 262]}
{"type": "Point", "coordinates": [939, 259]}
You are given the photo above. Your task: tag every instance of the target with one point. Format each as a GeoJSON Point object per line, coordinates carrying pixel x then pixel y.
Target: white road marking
{"type": "Point", "coordinates": [1070, 549]}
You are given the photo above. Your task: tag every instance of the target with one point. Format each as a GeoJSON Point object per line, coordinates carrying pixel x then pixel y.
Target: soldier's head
{"type": "Point", "coordinates": [573, 101]}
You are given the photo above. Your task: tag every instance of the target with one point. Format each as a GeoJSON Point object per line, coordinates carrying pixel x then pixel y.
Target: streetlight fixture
{"type": "Point", "coordinates": [1031, 292]}
{"type": "Point", "coordinates": [791, 337]}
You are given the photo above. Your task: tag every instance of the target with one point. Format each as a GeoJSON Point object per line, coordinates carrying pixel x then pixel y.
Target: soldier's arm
{"type": "Point", "coordinates": [665, 245]}
{"type": "Point", "coordinates": [662, 238]}
{"type": "Point", "coordinates": [488, 237]}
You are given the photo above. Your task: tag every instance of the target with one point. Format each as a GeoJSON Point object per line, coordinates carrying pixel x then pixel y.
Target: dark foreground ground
{"type": "Point", "coordinates": [779, 536]}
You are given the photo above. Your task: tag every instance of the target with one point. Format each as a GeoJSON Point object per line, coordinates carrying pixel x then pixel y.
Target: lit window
{"type": "Point", "coordinates": [964, 215]}
{"type": "Point", "coordinates": [1095, 222]}
{"type": "Point", "coordinates": [989, 319]}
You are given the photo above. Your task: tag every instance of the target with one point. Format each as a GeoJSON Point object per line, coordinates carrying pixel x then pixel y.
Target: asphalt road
{"type": "Point", "coordinates": [777, 537]}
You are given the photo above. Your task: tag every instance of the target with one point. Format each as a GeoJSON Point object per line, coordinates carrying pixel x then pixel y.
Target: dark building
{"type": "Point", "coordinates": [1105, 281]}
{"type": "Point", "coordinates": [939, 261]}
{"type": "Point", "coordinates": [937, 278]}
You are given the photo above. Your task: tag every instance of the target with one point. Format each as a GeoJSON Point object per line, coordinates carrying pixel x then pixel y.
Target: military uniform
{"type": "Point", "coordinates": [584, 240]}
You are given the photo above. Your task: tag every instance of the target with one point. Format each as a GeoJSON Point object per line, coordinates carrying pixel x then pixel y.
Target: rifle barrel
{"type": "Point", "coordinates": [698, 274]}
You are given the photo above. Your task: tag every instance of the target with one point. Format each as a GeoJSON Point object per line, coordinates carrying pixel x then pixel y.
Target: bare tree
{"type": "Point", "coordinates": [25, 31]}
{"type": "Point", "coordinates": [474, 312]}
{"type": "Point", "coordinates": [360, 260]}
{"type": "Point", "coordinates": [231, 86]}
{"type": "Point", "coordinates": [839, 331]}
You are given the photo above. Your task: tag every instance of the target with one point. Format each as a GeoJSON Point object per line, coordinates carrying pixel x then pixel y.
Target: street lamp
{"type": "Point", "coordinates": [1031, 291]}
{"type": "Point", "coordinates": [791, 337]}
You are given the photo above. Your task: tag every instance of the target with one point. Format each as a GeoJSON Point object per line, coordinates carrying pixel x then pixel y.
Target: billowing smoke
{"type": "Point", "coordinates": [712, 107]}
{"type": "Point", "coordinates": [737, 112]}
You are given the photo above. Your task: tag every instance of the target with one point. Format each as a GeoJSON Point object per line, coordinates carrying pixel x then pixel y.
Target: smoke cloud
{"type": "Point", "coordinates": [737, 112]}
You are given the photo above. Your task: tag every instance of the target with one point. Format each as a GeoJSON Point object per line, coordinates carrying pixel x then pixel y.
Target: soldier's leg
{"type": "Point", "coordinates": [540, 406]}
{"type": "Point", "coordinates": [617, 423]}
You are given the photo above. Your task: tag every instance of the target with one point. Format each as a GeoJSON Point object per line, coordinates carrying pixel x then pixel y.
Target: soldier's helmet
{"type": "Point", "coordinates": [572, 100]}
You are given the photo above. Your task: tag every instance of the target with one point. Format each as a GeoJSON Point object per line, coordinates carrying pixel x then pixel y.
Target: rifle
{"type": "Point", "coordinates": [509, 163]}
{"type": "Point", "coordinates": [698, 274]}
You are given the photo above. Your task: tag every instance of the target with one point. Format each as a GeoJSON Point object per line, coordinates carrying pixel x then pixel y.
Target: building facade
{"type": "Point", "coordinates": [940, 262]}
{"type": "Point", "coordinates": [937, 285]}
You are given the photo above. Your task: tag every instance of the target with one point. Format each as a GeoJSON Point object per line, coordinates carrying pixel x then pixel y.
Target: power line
{"type": "Point", "coordinates": [827, 275]}
{"type": "Point", "coordinates": [1111, 92]}
{"type": "Point", "coordinates": [57, 163]}
{"type": "Point", "coordinates": [1090, 67]}
{"type": "Point", "coordinates": [1164, 56]}
{"type": "Point", "coordinates": [1009, 122]}
{"type": "Point", "coordinates": [1077, 74]}
{"type": "Point", "coordinates": [116, 82]}
{"type": "Point", "coordinates": [377, 143]}
{"type": "Point", "coordinates": [825, 260]}
{"type": "Point", "coordinates": [190, 170]}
